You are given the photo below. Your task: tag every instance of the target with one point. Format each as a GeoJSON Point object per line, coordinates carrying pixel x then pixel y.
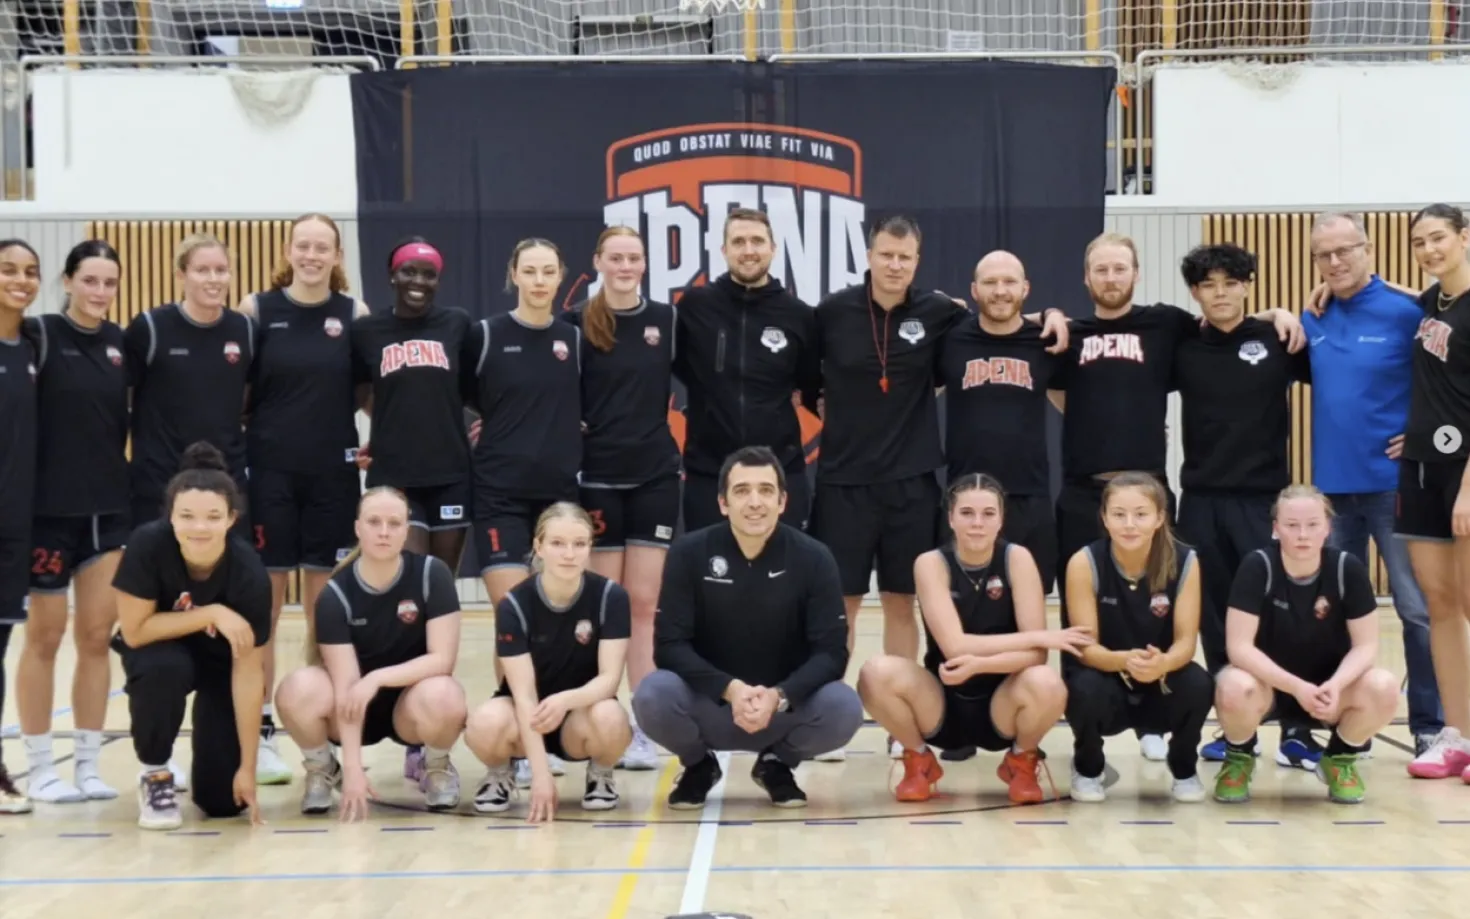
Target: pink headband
{"type": "Point", "coordinates": [414, 252]}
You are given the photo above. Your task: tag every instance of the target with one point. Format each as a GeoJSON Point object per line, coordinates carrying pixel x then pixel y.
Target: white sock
{"type": "Point", "coordinates": [148, 770]}
{"type": "Point", "coordinates": [435, 754]}
{"type": "Point", "coordinates": [38, 752]}
{"type": "Point", "coordinates": [267, 710]}
{"type": "Point", "coordinates": [319, 756]}
{"type": "Point", "coordinates": [88, 747]}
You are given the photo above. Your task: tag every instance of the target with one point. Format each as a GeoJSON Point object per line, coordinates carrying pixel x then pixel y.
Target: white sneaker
{"type": "Point", "coordinates": [46, 786]}
{"type": "Point", "coordinates": [495, 791]}
{"type": "Point", "coordinates": [158, 802]}
{"type": "Point", "coordinates": [641, 755]}
{"type": "Point", "coordinates": [270, 769]}
{"type": "Point", "coordinates": [602, 789]}
{"type": "Point", "coordinates": [1188, 791]}
{"type": "Point", "coordinates": [181, 778]}
{"type": "Point", "coordinates": [1154, 747]}
{"type": "Point", "coordinates": [832, 756]}
{"type": "Point", "coordinates": [1088, 791]}
{"type": "Point", "coordinates": [523, 770]}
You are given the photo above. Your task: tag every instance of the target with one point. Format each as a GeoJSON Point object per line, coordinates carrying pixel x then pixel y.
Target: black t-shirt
{"type": "Point", "coordinates": [1120, 372]}
{"type": "Point", "coordinates": [390, 626]}
{"type": "Point", "coordinates": [986, 606]}
{"type": "Point", "coordinates": [995, 404]}
{"type": "Point", "coordinates": [152, 568]}
{"type": "Point", "coordinates": [562, 641]}
{"type": "Point", "coordinates": [302, 404]}
{"type": "Point", "coordinates": [869, 434]}
{"type": "Point", "coordinates": [1441, 391]}
{"type": "Point", "coordinates": [625, 398]}
{"type": "Point", "coordinates": [188, 384]}
{"type": "Point", "coordinates": [1131, 615]}
{"type": "Point", "coordinates": [1236, 415]}
{"type": "Point", "coordinates": [82, 385]}
{"type": "Point", "coordinates": [528, 388]}
{"type": "Point", "coordinates": [18, 426]}
{"type": "Point", "coordinates": [1304, 623]}
{"type": "Point", "coordinates": [421, 372]}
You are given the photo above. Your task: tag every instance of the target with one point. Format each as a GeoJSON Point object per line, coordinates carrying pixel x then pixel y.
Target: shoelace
{"type": "Point", "coordinates": [1039, 766]}
{"type": "Point", "coordinates": [161, 795]}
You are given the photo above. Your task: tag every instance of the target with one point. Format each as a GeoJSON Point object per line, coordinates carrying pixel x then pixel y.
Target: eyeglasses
{"type": "Point", "coordinates": [1341, 254]}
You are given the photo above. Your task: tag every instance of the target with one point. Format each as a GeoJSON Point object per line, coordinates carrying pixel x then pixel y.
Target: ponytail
{"type": "Point", "coordinates": [598, 323]}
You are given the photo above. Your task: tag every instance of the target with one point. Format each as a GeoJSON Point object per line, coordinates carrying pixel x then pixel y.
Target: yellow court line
{"type": "Point", "coordinates": [624, 898]}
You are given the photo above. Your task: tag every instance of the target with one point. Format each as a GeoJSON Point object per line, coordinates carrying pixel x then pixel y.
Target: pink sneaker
{"type": "Point", "coordinates": [1448, 756]}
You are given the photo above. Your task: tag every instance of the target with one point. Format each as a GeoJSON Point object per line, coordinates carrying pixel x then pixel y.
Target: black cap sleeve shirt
{"type": "Point", "coordinates": [872, 433]}
{"type": "Point", "coordinates": [82, 383]}
{"type": "Point", "coordinates": [995, 404]}
{"type": "Point", "coordinates": [153, 568]}
{"type": "Point", "coordinates": [386, 627]}
{"type": "Point", "coordinates": [1119, 375]}
{"type": "Point", "coordinates": [1233, 387]}
{"type": "Point", "coordinates": [625, 398]}
{"type": "Point", "coordinates": [985, 605]}
{"type": "Point", "coordinates": [1441, 391]}
{"type": "Point", "coordinates": [188, 383]}
{"type": "Point", "coordinates": [1130, 614]}
{"type": "Point", "coordinates": [417, 368]}
{"type": "Point", "coordinates": [563, 641]}
{"type": "Point", "coordinates": [18, 425]}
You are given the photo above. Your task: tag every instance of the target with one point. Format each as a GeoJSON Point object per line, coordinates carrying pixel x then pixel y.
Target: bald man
{"type": "Point", "coordinates": [998, 373]}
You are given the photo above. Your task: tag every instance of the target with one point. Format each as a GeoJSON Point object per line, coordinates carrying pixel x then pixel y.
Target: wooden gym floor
{"type": "Point", "coordinates": [853, 852]}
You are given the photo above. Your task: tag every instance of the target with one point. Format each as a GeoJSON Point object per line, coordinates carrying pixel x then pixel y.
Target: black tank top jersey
{"type": "Point", "coordinates": [529, 392]}
{"type": "Point", "coordinates": [419, 368]}
{"type": "Point", "coordinates": [1441, 390]}
{"type": "Point", "coordinates": [625, 398]}
{"type": "Point", "coordinates": [1118, 378]}
{"type": "Point", "coordinates": [188, 384]}
{"type": "Point", "coordinates": [563, 643]}
{"type": "Point", "coordinates": [1303, 623]}
{"type": "Point", "coordinates": [1131, 615]}
{"type": "Point", "coordinates": [391, 626]}
{"type": "Point", "coordinates": [18, 415]}
{"type": "Point", "coordinates": [302, 403]}
{"type": "Point", "coordinates": [82, 385]}
{"type": "Point", "coordinates": [982, 597]}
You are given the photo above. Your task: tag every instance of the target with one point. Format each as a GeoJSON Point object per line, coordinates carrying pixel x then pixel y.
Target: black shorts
{"type": "Point", "coordinates": [644, 515]}
{"type": "Point", "coordinates": [304, 520]}
{"type": "Point", "coordinates": [884, 526]}
{"type": "Point", "coordinates": [503, 531]}
{"type": "Point", "coordinates": [1425, 508]}
{"type": "Point", "coordinates": [377, 721]}
{"type": "Point", "coordinates": [15, 577]}
{"type": "Point", "coordinates": [552, 741]}
{"type": "Point", "coordinates": [1288, 712]}
{"type": "Point", "coordinates": [439, 507]}
{"type": "Point", "coordinates": [62, 546]}
{"type": "Point", "coordinates": [967, 722]}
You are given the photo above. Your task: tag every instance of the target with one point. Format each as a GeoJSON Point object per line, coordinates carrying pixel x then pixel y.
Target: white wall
{"type": "Point", "coordinates": [1357, 135]}
{"type": "Point", "coordinates": [181, 143]}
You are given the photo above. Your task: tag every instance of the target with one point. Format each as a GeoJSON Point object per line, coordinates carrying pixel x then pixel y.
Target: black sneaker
{"type": "Point", "coordinates": [775, 777]}
{"type": "Point", "coordinates": [695, 784]}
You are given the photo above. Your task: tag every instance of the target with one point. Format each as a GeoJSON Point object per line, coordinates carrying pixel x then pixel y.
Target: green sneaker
{"type": "Point", "coordinates": [1344, 782]}
{"type": "Point", "coordinates": [1233, 784]}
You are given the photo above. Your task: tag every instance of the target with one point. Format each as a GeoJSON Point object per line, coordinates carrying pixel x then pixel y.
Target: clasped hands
{"type": "Point", "coordinates": [752, 706]}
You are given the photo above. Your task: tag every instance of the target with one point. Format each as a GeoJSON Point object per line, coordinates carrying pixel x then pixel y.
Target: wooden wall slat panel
{"type": "Point", "coordinates": [1285, 278]}
{"type": "Point", "coordinates": [147, 248]}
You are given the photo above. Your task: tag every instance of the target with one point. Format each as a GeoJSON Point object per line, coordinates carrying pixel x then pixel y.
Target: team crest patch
{"type": "Point", "coordinates": [584, 632]}
{"type": "Point", "coordinates": [184, 603]}
{"type": "Point", "coordinates": [333, 326]}
{"type": "Point", "coordinates": [718, 566]}
{"type": "Point", "coordinates": [774, 339]}
{"type": "Point", "coordinates": [559, 348]}
{"type": "Point", "coordinates": [408, 612]}
{"type": "Point", "coordinates": [232, 352]}
{"type": "Point", "coordinates": [1159, 605]}
{"type": "Point", "coordinates": [114, 355]}
{"type": "Point", "coordinates": [994, 588]}
{"type": "Point", "coordinates": [1252, 352]}
{"type": "Point", "coordinates": [651, 335]}
{"type": "Point", "coordinates": [1321, 608]}
{"type": "Point", "coordinates": [911, 331]}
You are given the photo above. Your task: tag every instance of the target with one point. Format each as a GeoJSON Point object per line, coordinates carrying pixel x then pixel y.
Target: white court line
{"type": "Point", "coordinates": [696, 882]}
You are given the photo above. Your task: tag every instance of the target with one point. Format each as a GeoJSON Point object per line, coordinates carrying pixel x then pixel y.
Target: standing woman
{"type": "Point", "coordinates": [1434, 504]}
{"type": "Point", "coordinates": [81, 519]}
{"type": "Point", "coordinates": [189, 368]}
{"type": "Point", "coordinates": [20, 279]}
{"type": "Point", "coordinates": [562, 638]}
{"type": "Point", "coordinates": [630, 462]}
{"type": "Point", "coordinates": [302, 432]}
{"type": "Point", "coordinates": [194, 611]}
{"type": "Point", "coordinates": [1137, 589]}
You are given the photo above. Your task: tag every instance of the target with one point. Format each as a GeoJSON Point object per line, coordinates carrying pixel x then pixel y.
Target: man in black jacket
{"type": "Point", "coordinates": [751, 643]}
{"type": "Point", "coordinates": [743, 346]}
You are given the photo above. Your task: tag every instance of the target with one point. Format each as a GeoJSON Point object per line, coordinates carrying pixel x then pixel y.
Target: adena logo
{"type": "Point", "coordinates": [677, 185]}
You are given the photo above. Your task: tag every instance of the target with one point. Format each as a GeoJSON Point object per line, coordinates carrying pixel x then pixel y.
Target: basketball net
{"type": "Point", "coordinates": [272, 98]}
{"type": "Point", "coordinates": [719, 5]}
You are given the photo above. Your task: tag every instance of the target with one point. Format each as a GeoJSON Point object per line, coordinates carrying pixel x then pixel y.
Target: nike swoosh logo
{"type": "Point", "coordinates": [775, 574]}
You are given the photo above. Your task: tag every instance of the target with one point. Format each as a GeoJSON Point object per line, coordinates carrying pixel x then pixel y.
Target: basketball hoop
{"type": "Point", "coordinates": [719, 5]}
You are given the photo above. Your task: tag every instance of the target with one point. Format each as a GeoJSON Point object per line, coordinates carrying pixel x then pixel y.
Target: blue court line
{"type": "Point", "coordinates": [740, 869]}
